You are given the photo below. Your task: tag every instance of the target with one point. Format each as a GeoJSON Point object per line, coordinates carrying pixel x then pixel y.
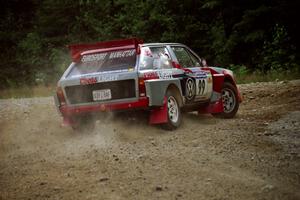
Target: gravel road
{"type": "Point", "coordinates": [253, 156]}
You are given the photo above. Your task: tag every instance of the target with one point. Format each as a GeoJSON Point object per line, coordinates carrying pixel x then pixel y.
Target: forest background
{"type": "Point", "coordinates": [258, 39]}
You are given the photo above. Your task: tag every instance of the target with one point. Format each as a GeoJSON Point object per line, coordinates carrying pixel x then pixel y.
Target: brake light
{"type": "Point", "coordinates": [142, 87]}
{"type": "Point", "coordinates": [60, 96]}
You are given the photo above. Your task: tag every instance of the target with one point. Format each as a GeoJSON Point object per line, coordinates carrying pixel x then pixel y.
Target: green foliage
{"type": "Point", "coordinates": [244, 75]}
{"type": "Point", "coordinates": [278, 54]}
{"type": "Point", "coordinates": [240, 70]}
{"type": "Point", "coordinates": [30, 50]}
{"type": "Point", "coordinates": [261, 35]}
{"type": "Point", "coordinates": [271, 75]}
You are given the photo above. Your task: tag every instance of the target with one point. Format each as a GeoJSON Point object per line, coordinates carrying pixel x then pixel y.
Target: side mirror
{"type": "Point", "coordinates": [204, 63]}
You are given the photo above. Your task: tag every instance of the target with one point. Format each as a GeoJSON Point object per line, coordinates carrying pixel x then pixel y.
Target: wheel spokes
{"type": "Point", "coordinates": [172, 109]}
{"type": "Point", "coordinates": [228, 99]}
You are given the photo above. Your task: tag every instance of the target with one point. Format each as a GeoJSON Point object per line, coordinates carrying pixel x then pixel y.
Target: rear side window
{"type": "Point", "coordinates": [155, 58]}
{"type": "Point", "coordinates": [123, 60]}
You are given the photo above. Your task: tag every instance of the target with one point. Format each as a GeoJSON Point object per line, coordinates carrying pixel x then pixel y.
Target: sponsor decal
{"type": "Point", "coordinates": [150, 75]}
{"type": "Point", "coordinates": [158, 74]}
{"type": "Point", "coordinates": [111, 55]}
{"type": "Point", "coordinates": [87, 81]}
{"type": "Point", "coordinates": [93, 57]}
{"type": "Point", "coordinates": [106, 78]}
{"type": "Point", "coordinates": [121, 54]}
{"type": "Point", "coordinates": [190, 89]}
{"type": "Point", "coordinates": [201, 74]}
{"type": "Point", "coordinates": [164, 74]}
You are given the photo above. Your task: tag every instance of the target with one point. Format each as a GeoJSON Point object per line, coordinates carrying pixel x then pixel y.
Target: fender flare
{"type": "Point", "coordinates": [157, 88]}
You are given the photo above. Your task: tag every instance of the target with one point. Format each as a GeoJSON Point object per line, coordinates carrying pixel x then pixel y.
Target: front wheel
{"type": "Point", "coordinates": [230, 101]}
{"type": "Point", "coordinates": [173, 111]}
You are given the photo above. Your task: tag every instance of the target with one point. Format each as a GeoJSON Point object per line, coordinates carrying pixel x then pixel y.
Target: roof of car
{"type": "Point", "coordinates": [161, 44]}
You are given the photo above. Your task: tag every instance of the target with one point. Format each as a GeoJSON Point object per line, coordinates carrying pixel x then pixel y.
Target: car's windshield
{"type": "Point", "coordinates": [123, 60]}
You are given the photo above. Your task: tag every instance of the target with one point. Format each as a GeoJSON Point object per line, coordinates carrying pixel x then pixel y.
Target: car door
{"type": "Point", "coordinates": [197, 82]}
{"type": "Point", "coordinates": [157, 72]}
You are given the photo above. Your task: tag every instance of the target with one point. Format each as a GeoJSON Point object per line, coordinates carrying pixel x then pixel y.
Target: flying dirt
{"type": "Point", "coordinates": [255, 155]}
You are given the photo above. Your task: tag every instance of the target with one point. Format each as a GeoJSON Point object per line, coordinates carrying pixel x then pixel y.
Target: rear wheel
{"type": "Point", "coordinates": [173, 111]}
{"type": "Point", "coordinates": [230, 101]}
{"type": "Point", "coordinates": [83, 123]}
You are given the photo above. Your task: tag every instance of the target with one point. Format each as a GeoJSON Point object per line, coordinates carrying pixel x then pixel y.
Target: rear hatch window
{"type": "Point", "coordinates": [121, 60]}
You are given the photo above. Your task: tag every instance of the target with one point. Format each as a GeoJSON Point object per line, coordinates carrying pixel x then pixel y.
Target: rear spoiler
{"type": "Point", "coordinates": [77, 49]}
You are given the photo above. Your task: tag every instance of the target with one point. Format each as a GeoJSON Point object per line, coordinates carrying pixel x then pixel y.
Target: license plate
{"type": "Point", "coordinates": [101, 94]}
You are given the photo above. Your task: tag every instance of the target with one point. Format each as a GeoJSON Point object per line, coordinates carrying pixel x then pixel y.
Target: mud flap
{"type": "Point", "coordinates": [67, 122]}
{"type": "Point", "coordinates": [159, 115]}
{"type": "Point", "coordinates": [57, 104]}
{"type": "Point", "coordinates": [218, 80]}
{"type": "Point", "coordinates": [216, 107]}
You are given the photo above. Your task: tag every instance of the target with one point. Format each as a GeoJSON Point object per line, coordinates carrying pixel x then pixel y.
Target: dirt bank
{"type": "Point", "coordinates": [253, 156]}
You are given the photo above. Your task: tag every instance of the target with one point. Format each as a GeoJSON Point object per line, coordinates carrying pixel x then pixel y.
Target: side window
{"type": "Point", "coordinates": [155, 58]}
{"type": "Point", "coordinates": [195, 60]}
{"type": "Point", "coordinates": [185, 58]}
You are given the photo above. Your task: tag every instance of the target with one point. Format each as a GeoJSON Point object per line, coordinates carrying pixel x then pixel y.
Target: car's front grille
{"type": "Point", "coordinates": [84, 93]}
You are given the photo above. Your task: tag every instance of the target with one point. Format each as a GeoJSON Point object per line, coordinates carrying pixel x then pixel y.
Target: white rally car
{"type": "Point", "coordinates": [161, 78]}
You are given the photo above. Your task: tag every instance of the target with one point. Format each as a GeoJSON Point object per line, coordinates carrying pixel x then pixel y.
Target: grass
{"type": "Point", "coordinates": [266, 77]}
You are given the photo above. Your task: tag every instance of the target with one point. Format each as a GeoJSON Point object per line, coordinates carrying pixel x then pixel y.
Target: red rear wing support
{"type": "Point", "coordinates": [77, 49]}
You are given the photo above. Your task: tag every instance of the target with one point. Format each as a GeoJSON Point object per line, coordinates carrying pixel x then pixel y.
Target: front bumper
{"type": "Point", "coordinates": [67, 110]}
{"type": "Point", "coordinates": [239, 95]}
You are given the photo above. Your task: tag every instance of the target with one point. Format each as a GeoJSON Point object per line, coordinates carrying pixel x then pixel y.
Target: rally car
{"type": "Point", "coordinates": [164, 79]}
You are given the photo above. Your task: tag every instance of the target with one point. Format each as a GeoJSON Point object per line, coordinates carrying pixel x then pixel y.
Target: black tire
{"type": "Point", "coordinates": [83, 123]}
{"type": "Point", "coordinates": [173, 111]}
{"type": "Point", "coordinates": [230, 101]}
